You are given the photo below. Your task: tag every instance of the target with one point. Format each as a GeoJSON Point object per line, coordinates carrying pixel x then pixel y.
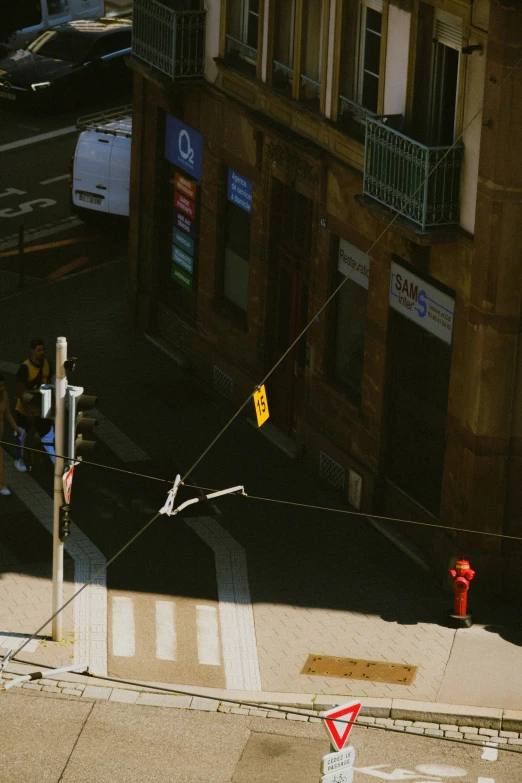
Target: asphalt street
{"type": "Point", "coordinates": [109, 742]}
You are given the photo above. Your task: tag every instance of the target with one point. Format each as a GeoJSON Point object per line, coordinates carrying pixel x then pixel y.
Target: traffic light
{"type": "Point", "coordinates": [65, 522]}
{"type": "Point", "coordinates": [47, 409]}
{"type": "Point", "coordinates": [78, 424]}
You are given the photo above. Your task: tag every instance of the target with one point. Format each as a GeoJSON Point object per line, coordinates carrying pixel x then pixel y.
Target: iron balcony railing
{"type": "Point", "coordinates": [395, 172]}
{"type": "Point", "coordinates": [172, 42]}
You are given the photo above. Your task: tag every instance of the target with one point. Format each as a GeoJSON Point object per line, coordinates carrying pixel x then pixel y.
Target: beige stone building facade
{"type": "Point", "coordinates": [361, 153]}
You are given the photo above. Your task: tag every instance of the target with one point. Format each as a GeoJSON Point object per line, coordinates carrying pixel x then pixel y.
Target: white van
{"type": "Point", "coordinates": [40, 15]}
{"type": "Point", "coordinates": [100, 167]}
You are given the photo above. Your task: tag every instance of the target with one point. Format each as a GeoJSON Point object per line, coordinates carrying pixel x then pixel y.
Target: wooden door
{"type": "Point", "coordinates": [286, 385]}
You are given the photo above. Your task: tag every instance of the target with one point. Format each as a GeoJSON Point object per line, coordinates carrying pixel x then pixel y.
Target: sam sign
{"type": "Point", "coordinates": [184, 147]}
{"type": "Point", "coordinates": [421, 303]}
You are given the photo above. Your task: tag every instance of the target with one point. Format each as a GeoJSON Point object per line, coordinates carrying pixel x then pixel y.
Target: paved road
{"type": "Point", "coordinates": [48, 738]}
{"type": "Point", "coordinates": [35, 152]}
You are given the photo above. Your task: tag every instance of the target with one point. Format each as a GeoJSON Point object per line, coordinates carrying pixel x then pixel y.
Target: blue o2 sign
{"type": "Point", "coordinates": [239, 190]}
{"type": "Point", "coordinates": [184, 147]}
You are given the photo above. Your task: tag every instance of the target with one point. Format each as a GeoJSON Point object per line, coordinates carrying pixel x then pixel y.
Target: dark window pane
{"type": "Point", "coordinates": [252, 30]}
{"type": "Point", "coordinates": [370, 92]}
{"type": "Point", "coordinates": [373, 20]}
{"type": "Point", "coordinates": [238, 231]}
{"type": "Point", "coordinates": [372, 53]}
{"type": "Point", "coordinates": [350, 333]}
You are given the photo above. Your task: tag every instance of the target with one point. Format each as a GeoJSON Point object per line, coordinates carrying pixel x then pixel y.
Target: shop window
{"type": "Point", "coordinates": [418, 358]}
{"type": "Point", "coordinates": [284, 25]}
{"type": "Point", "coordinates": [350, 318]}
{"type": "Point", "coordinates": [360, 61]}
{"type": "Point", "coordinates": [237, 240]}
{"type": "Point", "coordinates": [237, 253]}
{"type": "Point", "coordinates": [243, 30]}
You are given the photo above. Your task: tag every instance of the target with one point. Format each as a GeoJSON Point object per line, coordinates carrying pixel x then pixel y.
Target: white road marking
{"type": "Point", "coordinates": [90, 607]}
{"type": "Point", "coordinates": [207, 633]}
{"type": "Point", "coordinates": [123, 628]}
{"type": "Point", "coordinates": [485, 780]}
{"type": "Point", "coordinates": [12, 192]}
{"type": "Point", "coordinates": [236, 615]}
{"type": "Point", "coordinates": [35, 139]}
{"type": "Point", "coordinates": [166, 642]}
{"type": "Point", "coordinates": [54, 179]}
{"type": "Point", "coordinates": [490, 753]}
{"type": "Point", "coordinates": [26, 206]}
{"type": "Point", "coordinates": [441, 770]}
{"type": "Point", "coordinates": [116, 440]}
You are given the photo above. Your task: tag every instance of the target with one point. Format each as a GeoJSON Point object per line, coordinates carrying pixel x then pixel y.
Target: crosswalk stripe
{"type": "Point", "coordinates": [207, 635]}
{"type": "Point", "coordinates": [166, 642]}
{"type": "Point", "coordinates": [123, 630]}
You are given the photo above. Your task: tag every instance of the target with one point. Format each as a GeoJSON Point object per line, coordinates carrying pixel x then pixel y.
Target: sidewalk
{"type": "Point", "coordinates": [351, 594]}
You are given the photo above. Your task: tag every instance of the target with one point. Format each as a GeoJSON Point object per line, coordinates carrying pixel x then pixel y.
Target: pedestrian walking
{"type": "Point", "coordinates": [5, 413]}
{"type": "Point", "coordinates": [30, 376]}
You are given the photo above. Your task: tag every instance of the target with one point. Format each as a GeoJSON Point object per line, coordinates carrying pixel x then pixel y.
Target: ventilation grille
{"type": "Point", "coordinates": [223, 383]}
{"type": "Point", "coordinates": [331, 471]}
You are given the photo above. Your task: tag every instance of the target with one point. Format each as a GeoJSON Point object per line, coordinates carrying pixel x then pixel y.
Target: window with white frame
{"type": "Point", "coordinates": [243, 29]}
{"type": "Point", "coordinates": [369, 51]}
{"type": "Point", "coordinates": [360, 59]}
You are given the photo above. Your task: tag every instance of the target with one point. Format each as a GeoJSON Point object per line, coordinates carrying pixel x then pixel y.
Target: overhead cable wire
{"type": "Point", "coordinates": [338, 288]}
{"type": "Point", "coordinates": [281, 501]}
{"type": "Point", "coordinates": [280, 360]}
{"type": "Point", "coordinates": [88, 582]}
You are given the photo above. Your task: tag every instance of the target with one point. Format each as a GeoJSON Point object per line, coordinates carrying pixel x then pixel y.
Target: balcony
{"type": "Point", "coordinates": [169, 41]}
{"type": "Point", "coordinates": [395, 172]}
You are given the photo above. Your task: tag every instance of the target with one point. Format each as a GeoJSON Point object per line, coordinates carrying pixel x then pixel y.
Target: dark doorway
{"type": "Point", "coordinates": [291, 230]}
{"type": "Point", "coordinates": [418, 380]}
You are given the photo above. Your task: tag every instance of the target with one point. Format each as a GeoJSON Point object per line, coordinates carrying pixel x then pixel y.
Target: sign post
{"type": "Point", "coordinates": [337, 767]}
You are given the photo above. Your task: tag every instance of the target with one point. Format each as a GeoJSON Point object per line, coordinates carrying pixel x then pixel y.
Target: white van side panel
{"type": "Point", "coordinates": [90, 185]}
{"type": "Point", "coordinates": [119, 176]}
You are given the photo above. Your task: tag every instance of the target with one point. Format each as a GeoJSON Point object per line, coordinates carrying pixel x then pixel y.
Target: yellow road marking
{"type": "Point", "coordinates": [66, 268]}
{"type": "Point", "coordinates": [49, 246]}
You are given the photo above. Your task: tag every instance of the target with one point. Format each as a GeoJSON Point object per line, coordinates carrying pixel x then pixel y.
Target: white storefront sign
{"type": "Point", "coordinates": [353, 263]}
{"type": "Point", "coordinates": [421, 302]}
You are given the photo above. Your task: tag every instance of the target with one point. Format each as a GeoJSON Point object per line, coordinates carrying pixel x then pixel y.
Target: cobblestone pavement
{"type": "Point", "coordinates": [286, 635]}
{"type": "Point", "coordinates": [78, 686]}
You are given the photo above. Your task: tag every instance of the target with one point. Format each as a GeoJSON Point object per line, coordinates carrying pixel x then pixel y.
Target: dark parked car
{"type": "Point", "coordinates": [69, 64]}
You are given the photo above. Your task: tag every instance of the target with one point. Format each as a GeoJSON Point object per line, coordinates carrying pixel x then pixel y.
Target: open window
{"type": "Point", "coordinates": [436, 93]}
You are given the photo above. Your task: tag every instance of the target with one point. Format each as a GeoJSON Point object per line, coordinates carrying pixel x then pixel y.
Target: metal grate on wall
{"type": "Point", "coordinates": [223, 383]}
{"type": "Point", "coordinates": [331, 471]}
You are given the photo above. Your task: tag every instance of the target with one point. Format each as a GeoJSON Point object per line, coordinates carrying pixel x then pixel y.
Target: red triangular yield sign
{"type": "Point", "coordinates": [336, 729]}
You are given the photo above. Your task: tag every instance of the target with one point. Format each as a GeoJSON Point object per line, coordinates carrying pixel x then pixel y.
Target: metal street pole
{"type": "Point", "coordinates": [59, 420]}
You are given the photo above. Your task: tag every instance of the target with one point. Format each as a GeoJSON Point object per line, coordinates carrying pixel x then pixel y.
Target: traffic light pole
{"type": "Point", "coordinates": [59, 422]}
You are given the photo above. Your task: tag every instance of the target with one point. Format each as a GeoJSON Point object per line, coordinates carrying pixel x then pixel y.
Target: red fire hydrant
{"type": "Point", "coordinates": [462, 575]}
